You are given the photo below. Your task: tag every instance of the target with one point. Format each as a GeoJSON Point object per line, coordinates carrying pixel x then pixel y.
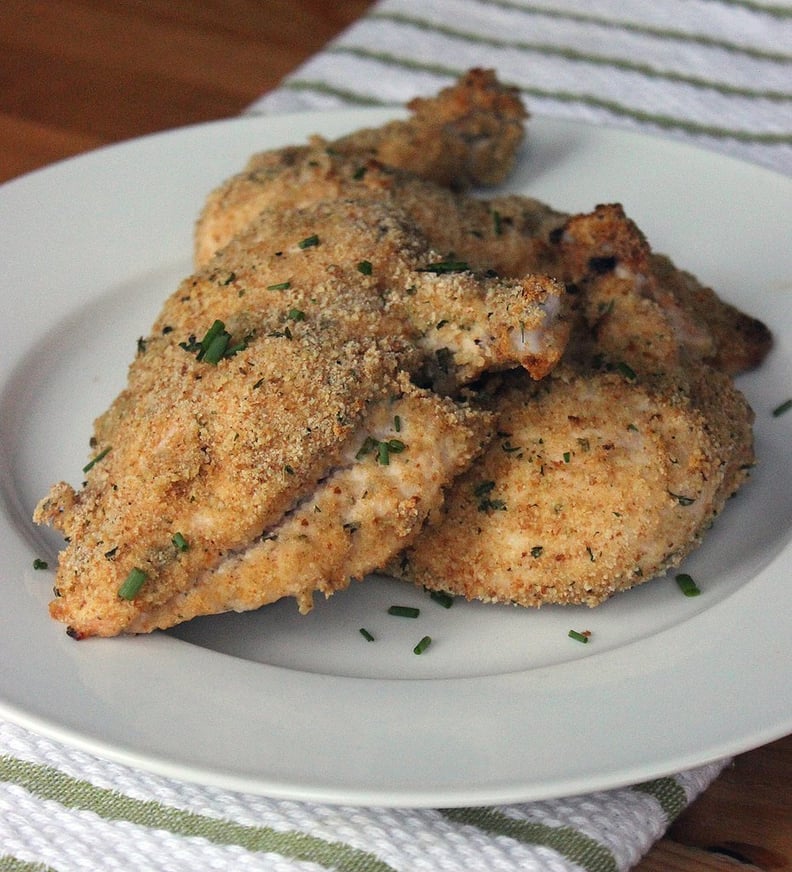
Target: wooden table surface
{"type": "Point", "coordinates": [76, 74]}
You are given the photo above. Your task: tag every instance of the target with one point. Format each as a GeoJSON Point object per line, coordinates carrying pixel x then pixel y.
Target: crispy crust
{"type": "Point", "coordinates": [555, 511]}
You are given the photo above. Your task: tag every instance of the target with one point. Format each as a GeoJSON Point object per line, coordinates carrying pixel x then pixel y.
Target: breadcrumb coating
{"type": "Point", "coordinates": [595, 483]}
{"type": "Point", "coordinates": [222, 451]}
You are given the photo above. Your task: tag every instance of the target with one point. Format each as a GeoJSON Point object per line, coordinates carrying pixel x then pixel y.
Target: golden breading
{"type": "Point", "coordinates": [468, 134]}
{"type": "Point", "coordinates": [636, 305]}
{"type": "Point", "coordinates": [596, 254]}
{"type": "Point", "coordinates": [507, 234]}
{"type": "Point", "coordinates": [634, 443]}
{"type": "Point", "coordinates": [221, 447]}
{"type": "Point", "coordinates": [462, 322]}
{"type": "Point", "coordinates": [392, 472]}
{"type": "Point", "coordinates": [596, 482]}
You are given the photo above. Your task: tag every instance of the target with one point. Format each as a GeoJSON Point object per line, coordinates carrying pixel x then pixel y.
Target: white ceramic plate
{"type": "Point", "coordinates": [503, 706]}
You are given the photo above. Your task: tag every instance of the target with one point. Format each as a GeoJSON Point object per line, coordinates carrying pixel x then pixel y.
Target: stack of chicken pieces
{"type": "Point", "coordinates": [374, 370]}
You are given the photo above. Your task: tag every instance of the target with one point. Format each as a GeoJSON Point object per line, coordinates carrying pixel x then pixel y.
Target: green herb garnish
{"type": "Point", "coordinates": [442, 598]}
{"type": "Point", "coordinates": [214, 346]}
{"type": "Point", "coordinates": [38, 563]}
{"type": "Point", "coordinates": [280, 286]}
{"type": "Point", "coordinates": [404, 611]}
{"type": "Point", "coordinates": [180, 542]}
{"type": "Point", "coordinates": [132, 584]}
{"type": "Point", "coordinates": [383, 448]}
{"type": "Point", "coordinates": [578, 637]}
{"type": "Point", "coordinates": [784, 407]}
{"type": "Point", "coordinates": [687, 585]}
{"type": "Point", "coordinates": [365, 267]}
{"type": "Point", "coordinates": [441, 267]}
{"type": "Point", "coordinates": [366, 635]}
{"type": "Point", "coordinates": [91, 463]}
{"type": "Point", "coordinates": [309, 242]}
{"type": "Point", "coordinates": [422, 645]}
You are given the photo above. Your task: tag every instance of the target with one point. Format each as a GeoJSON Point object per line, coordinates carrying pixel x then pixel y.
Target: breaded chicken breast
{"type": "Point", "coordinates": [269, 409]}
{"type": "Point", "coordinates": [512, 236]}
{"type": "Point", "coordinates": [635, 304]}
{"type": "Point", "coordinates": [609, 471]}
{"type": "Point", "coordinates": [466, 135]}
{"type": "Point", "coordinates": [596, 482]}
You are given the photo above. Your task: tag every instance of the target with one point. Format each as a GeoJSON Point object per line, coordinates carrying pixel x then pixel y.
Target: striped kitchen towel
{"type": "Point", "coordinates": [716, 73]}
{"type": "Point", "coordinates": [66, 810]}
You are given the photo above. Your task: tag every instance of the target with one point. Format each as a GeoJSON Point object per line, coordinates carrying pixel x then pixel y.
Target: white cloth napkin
{"type": "Point", "coordinates": [716, 73]}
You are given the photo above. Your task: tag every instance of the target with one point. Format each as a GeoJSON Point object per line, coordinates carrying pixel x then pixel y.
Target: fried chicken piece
{"type": "Point", "coordinates": [596, 483]}
{"type": "Point", "coordinates": [464, 322]}
{"type": "Point", "coordinates": [516, 236]}
{"type": "Point", "coordinates": [466, 135]}
{"type": "Point", "coordinates": [232, 439]}
{"type": "Point", "coordinates": [508, 234]}
{"type": "Point", "coordinates": [609, 471]}
{"type": "Point", "coordinates": [390, 474]}
{"type": "Point", "coordinates": [637, 305]}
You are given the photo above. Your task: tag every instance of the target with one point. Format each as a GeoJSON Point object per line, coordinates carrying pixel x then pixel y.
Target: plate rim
{"type": "Point", "coordinates": [410, 793]}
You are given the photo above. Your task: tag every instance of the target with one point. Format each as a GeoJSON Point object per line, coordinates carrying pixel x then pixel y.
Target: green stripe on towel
{"type": "Point", "coordinates": [11, 864]}
{"type": "Point", "coordinates": [663, 33]}
{"type": "Point", "coordinates": [665, 122]}
{"type": "Point", "coordinates": [572, 54]}
{"type": "Point", "coordinates": [566, 841]}
{"type": "Point", "coordinates": [668, 792]}
{"type": "Point", "coordinates": [51, 784]}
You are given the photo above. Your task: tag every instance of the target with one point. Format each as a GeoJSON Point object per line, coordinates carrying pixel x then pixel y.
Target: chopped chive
{"type": "Point", "coordinates": [215, 344]}
{"type": "Point", "coordinates": [682, 500]}
{"type": "Point", "coordinates": [309, 241]}
{"type": "Point", "coordinates": [99, 456]}
{"type": "Point", "coordinates": [369, 443]}
{"type": "Point", "coordinates": [280, 286]}
{"type": "Point", "coordinates": [397, 423]}
{"type": "Point", "coordinates": [295, 315]}
{"type": "Point", "coordinates": [359, 173]}
{"type": "Point", "coordinates": [497, 223]}
{"type": "Point", "coordinates": [626, 370]}
{"type": "Point", "coordinates": [784, 407]}
{"type": "Point", "coordinates": [132, 584]}
{"type": "Point", "coordinates": [365, 267]}
{"type": "Point", "coordinates": [404, 611]}
{"type": "Point", "coordinates": [366, 635]}
{"type": "Point", "coordinates": [383, 455]}
{"type": "Point", "coordinates": [180, 542]}
{"type": "Point", "coordinates": [567, 456]}
{"type": "Point", "coordinates": [446, 266]}
{"type": "Point", "coordinates": [422, 645]}
{"type": "Point", "coordinates": [687, 585]}
{"type": "Point", "coordinates": [38, 563]}
{"type": "Point", "coordinates": [537, 551]}
{"type": "Point", "coordinates": [217, 329]}
{"type": "Point", "coordinates": [442, 598]}
{"type": "Point", "coordinates": [215, 350]}
{"type": "Point", "coordinates": [578, 637]}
